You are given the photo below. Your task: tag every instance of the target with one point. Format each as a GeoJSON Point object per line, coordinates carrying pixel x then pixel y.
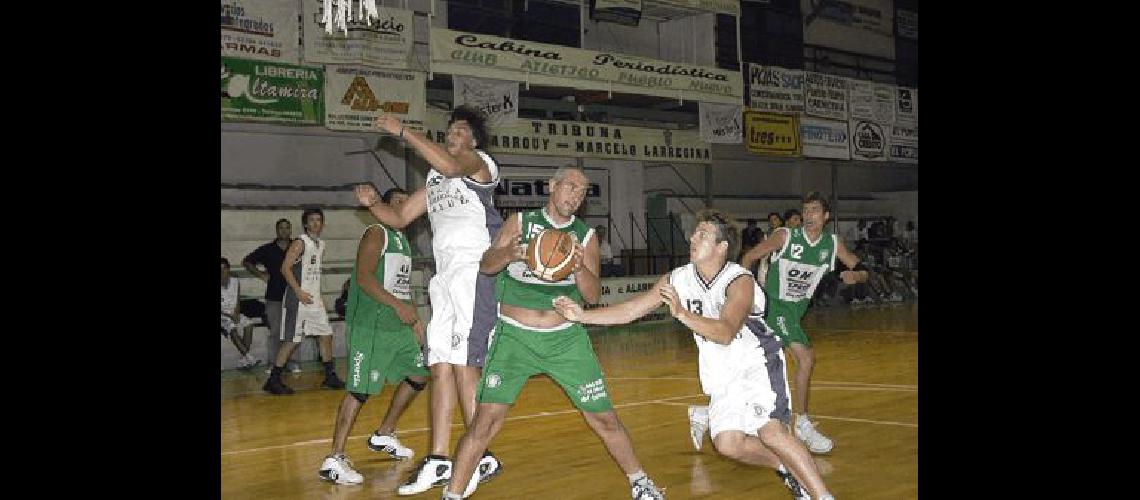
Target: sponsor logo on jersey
{"type": "Point", "coordinates": [493, 380]}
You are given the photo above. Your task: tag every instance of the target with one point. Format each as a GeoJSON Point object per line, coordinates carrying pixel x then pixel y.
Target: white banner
{"type": "Point", "coordinates": [824, 138]}
{"type": "Point", "coordinates": [906, 106]}
{"type": "Point", "coordinates": [904, 144]}
{"type": "Point", "coordinates": [530, 188]}
{"type": "Point", "coordinates": [585, 140]}
{"type": "Point", "coordinates": [871, 101]}
{"type": "Point", "coordinates": [386, 43]}
{"type": "Point", "coordinates": [869, 140]}
{"type": "Point", "coordinates": [862, 26]}
{"type": "Point", "coordinates": [354, 96]}
{"type": "Point", "coordinates": [488, 56]}
{"type": "Point", "coordinates": [719, 6]}
{"type": "Point", "coordinates": [617, 290]}
{"type": "Point", "coordinates": [497, 99]}
{"type": "Point", "coordinates": [721, 123]}
{"type": "Point", "coordinates": [825, 96]}
{"type": "Point", "coordinates": [263, 30]}
{"type": "Point", "coordinates": [771, 88]}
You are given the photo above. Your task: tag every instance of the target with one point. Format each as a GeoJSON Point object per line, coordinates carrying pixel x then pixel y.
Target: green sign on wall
{"type": "Point", "coordinates": [259, 91]}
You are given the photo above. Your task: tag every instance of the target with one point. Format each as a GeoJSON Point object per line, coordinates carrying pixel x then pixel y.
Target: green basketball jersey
{"type": "Point", "coordinates": [518, 286]}
{"type": "Point", "coordinates": [394, 272]}
{"type": "Point", "coordinates": [795, 270]}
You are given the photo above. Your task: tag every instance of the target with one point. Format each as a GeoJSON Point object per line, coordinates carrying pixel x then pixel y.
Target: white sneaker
{"type": "Point", "coordinates": [389, 445]}
{"type": "Point", "coordinates": [338, 469]}
{"type": "Point", "coordinates": [432, 472]}
{"type": "Point", "coordinates": [488, 467]}
{"type": "Point", "coordinates": [294, 367]}
{"type": "Point", "coordinates": [698, 425]}
{"type": "Point", "coordinates": [816, 442]}
{"type": "Point", "coordinates": [644, 489]}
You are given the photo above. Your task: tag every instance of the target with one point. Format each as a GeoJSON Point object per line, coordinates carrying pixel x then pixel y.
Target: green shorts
{"type": "Point", "coordinates": [376, 356]}
{"type": "Point", "coordinates": [564, 353]}
{"type": "Point", "coordinates": [785, 318]}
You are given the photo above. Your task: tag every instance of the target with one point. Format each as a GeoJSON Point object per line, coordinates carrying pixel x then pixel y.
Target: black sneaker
{"type": "Point", "coordinates": [798, 491]}
{"type": "Point", "coordinates": [275, 386]}
{"type": "Point", "coordinates": [332, 381]}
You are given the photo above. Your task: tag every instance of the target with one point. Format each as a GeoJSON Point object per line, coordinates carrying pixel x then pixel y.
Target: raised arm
{"type": "Point", "coordinates": [769, 245]}
{"type": "Point", "coordinates": [467, 163]}
{"type": "Point", "coordinates": [857, 272]}
{"type": "Point", "coordinates": [505, 249]}
{"type": "Point", "coordinates": [723, 329]}
{"type": "Point", "coordinates": [398, 218]}
{"type": "Point", "coordinates": [618, 314]}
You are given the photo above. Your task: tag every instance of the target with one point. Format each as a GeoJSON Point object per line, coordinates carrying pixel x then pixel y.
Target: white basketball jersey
{"type": "Point", "coordinates": [462, 214]}
{"type": "Point", "coordinates": [719, 363]}
{"type": "Point", "coordinates": [308, 272]}
{"type": "Point", "coordinates": [230, 296]}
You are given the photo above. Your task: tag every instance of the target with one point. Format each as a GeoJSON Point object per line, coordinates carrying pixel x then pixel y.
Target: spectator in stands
{"type": "Point", "coordinates": [304, 313]}
{"type": "Point", "coordinates": [910, 236]}
{"type": "Point", "coordinates": [749, 237]}
{"type": "Point", "coordinates": [610, 266]}
{"type": "Point", "coordinates": [232, 319]}
{"type": "Point", "coordinates": [793, 219]}
{"type": "Point", "coordinates": [774, 222]}
{"type": "Point", "coordinates": [269, 256]}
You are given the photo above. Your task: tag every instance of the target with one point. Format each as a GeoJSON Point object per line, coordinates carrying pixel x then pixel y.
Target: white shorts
{"type": "Point", "coordinates": [758, 394]}
{"type": "Point", "coordinates": [463, 313]}
{"type": "Point", "coordinates": [299, 322]}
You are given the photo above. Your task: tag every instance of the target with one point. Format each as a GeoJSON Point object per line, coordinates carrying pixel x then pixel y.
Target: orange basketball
{"type": "Point", "coordinates": [550, 254]}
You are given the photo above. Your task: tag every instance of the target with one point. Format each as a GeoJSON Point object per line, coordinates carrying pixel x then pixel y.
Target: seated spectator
{"type": "Point", "coordinates": [774, 222]}
{"type": "Point", "coordinates": [749, 237]}
{"type": "Point", "coordinates": [233, 320]}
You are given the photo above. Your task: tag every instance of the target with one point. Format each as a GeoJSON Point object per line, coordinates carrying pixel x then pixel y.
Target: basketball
{"type": "Point", "coordinates": [550, 255]}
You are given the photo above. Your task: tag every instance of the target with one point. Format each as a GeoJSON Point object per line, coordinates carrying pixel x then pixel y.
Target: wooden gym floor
{"type": "Point", "coordinates": [864, 397]}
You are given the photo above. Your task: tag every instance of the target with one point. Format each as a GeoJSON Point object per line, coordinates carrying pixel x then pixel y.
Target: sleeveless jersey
{"type": "Point", "coordinates": [518, 286]}
{"type": "Point", "coordinates": [718, 364]}
{"type": "Point", "coordinates": [230, 296]}
{"type": "Point", "coordinates": [393, 272]}
{"type": "Point", "coordinates": [307, 271]}
{"type": "Point", "coordinates": [796, 269]}
{"type": "Point", "coordinates": [462, 214]}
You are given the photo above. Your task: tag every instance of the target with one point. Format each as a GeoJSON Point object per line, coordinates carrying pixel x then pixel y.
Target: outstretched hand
{"type": "Point", "coordinates": [366, 194]}
{"type": "Point", "coordinates": [568, 308]}
{"type": "Point", "coordinates": [670, 299]}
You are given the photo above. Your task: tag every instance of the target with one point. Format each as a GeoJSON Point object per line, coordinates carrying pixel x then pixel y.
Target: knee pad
{"type": "Point", "coordinates": [417, 386]}
{"type": "Point", "coordinates": [359, 396]}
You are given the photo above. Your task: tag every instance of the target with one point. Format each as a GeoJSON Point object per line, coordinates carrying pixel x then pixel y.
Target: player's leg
{"type": "Point", "coordinates": [407, 362]}
{"type": "Point", "coordinates": [571, 362]}
{"type": "Point", "coordinates": [336, 466]}
{"type": "Point", "coordinates": [472, 446]}
{"type": "Point", "coordinates": [476, 312]}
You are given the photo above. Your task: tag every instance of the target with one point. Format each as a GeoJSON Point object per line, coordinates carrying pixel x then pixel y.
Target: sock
{"type": "Point", "coordinates": [781, 469]}
{"type": "Point", "coordinates": [330, 368]}
{"type": "Point", "coordinates": [276, 373]}
{"type": "Point", "coordinates": [636, 476]}
{"type": "Point", "coordinates": [447, 495]}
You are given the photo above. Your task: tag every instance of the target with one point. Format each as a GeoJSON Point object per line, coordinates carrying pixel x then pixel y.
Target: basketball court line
{"type": "Point", "coordinates": [663, 401]}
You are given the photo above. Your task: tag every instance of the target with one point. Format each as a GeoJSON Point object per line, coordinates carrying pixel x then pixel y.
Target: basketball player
{"type": "Point", "coordinates": [530, 338]}
{"type": "Point", "coordinates": [385, 337]}
{"type": "Point", "coordinates": [741, 364]}
{"type": "Point", "coordinates": [457, 199]}
{"type": "Point", "coordinates": [799, 258]}
{"type": "Point", "coordinates": [303, 312]}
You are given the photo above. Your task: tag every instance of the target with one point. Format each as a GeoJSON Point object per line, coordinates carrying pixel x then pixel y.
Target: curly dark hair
{"type": "Point", "coordinates": [475, 120]}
